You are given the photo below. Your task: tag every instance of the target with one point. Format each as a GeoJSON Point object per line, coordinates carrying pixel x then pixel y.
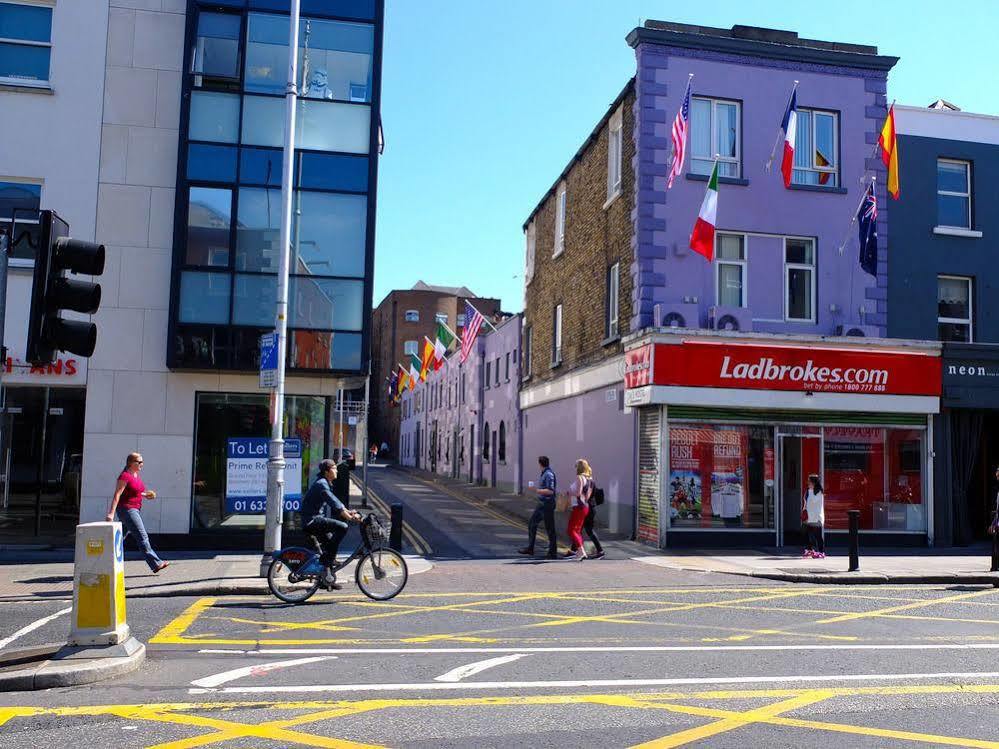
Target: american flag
{"type": "Point", "coordinates": [473, 321]}
{"type": "Point", "coordinates": [679, 138]}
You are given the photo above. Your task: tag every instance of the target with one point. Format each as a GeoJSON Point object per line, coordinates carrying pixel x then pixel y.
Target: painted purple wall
{"type": "Point", "coordinates": [666, 270]}
{"type": "Point", "coordinates": [500, 403]}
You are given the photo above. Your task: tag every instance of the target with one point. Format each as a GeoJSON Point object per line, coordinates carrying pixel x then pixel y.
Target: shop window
{"type": "Point", "coordinates": [329, 234]}
{"type": "Point", "coordinates": [953, 194]}
{"type": "Point", "coordinates": [721, 476]}
{"type": "Point", "coordinates": [877, 471]}
{"type": "Point", "coordinates": [25, 198]}
{"type": "Point", "coordinates": [209, 220]}
{"type": "Point", "coordinates": [215, 117]}
{"type": "Point", "coordinates": [26, 49]}
{"type": "Point", "coordinates": [731, 270]}
{"type": "Point", "coordinates": [816, 149]}
{"type": "Point", "coordinates": [215, 61]}
{"type": "Point", "coordinates": [954, 309]}
{"type": "Point", "coordinates": [206, 163]}
{"type": "Point", "coordinates": [229, 492]}
{"type": "Point", "coordinates": [501, 447]}
{"type": "Point", "coordinates": [799, 279]}
{"type": "Point", "coordinates": [204, 298]}
{"type": "Point", "coordinates": [715, 132]}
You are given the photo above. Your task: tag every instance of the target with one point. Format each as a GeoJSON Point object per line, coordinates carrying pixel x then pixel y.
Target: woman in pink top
{"type": "Point", "coordinates": [128, 495]}
{"type": "Point", "coordinates": [579, 496]}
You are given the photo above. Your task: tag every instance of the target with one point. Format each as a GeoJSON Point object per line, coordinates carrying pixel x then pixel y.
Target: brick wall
{"type": "Point", "coordinates": [595, 237]}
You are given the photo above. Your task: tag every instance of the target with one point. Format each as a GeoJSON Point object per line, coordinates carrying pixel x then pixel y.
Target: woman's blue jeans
{"type": "Point", "coordinates": [132, 520]}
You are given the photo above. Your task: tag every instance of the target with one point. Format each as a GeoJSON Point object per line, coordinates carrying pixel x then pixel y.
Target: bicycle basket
{"type": "Point", "coordinates": [375, 533]}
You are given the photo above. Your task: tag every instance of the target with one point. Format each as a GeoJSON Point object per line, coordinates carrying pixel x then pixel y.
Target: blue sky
{"type": "Point", "coordinates": [483, 103]}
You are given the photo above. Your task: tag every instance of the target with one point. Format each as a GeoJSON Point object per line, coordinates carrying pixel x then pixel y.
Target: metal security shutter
{"type": "Point", "coordinates": [649, 452]}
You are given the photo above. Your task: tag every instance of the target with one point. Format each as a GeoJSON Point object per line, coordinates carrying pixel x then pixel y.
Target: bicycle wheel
{"type": "Point", "coordinates": [381, 574]}
{"type": "Point", "coordinates": [281, 585]}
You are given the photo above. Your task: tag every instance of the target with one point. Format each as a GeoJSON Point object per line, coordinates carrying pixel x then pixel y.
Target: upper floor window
{"type": "Point", "coordinates": [497, 375]}
{"type": "Point", "coordinates": [954, 193]}
{"type": "Point", "coordinates": [409, 347]}
{"type": "Point", "coordinates": [816, 149]}
{"type": "Point", "coordinates": [459, 321]}
{"type": "Point", "coordinates": [731, 270]}
{"type": "Point", "coordinates": [507, 370]}
{"type": "Point", "coordinates": [530, 243]}
{"type": "Point", "coordinates": [557, 335]}
{"type": "Point", "coordinates": [216, 59]}
{"type": "Point", "coordinates": [954, 309]}
{"type": "Point", "coordinates": [799, 279]}
{"type": "Point", "coordinates": [25, 198]}
{"type": "Point", "coordinates": [559, 221]}
{"type": "Point", "coordinates": [615, 143]}
{"type": "Point", "coordinates": [412, 315]}
{"type": "Point", "coordinates": [441, 317]}
{"type": "Point", "coordinates": [715, 129]}
{"type": "Point", "coordinates": [613, 301]}
{"type": "Point", "coordinates": [528, 340]}
{"type": "Point", "coordinates": [486, 379]}
{"type": "Point", "coordinates": [25, 44]}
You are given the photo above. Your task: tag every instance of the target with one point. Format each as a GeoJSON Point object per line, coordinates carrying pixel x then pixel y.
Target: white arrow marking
{"type": "Point", "coordinates": [32, 627]}
{"type": "Point", "coordinates": [457, 674]}
{"type": "Point", "coordinates": [210, 682]}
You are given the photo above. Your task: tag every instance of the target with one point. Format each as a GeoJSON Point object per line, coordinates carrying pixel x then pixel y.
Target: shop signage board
{"type": "Point", "coordinates": [246, 475]}
{"type": "Point", "coordinates": [779, 367]}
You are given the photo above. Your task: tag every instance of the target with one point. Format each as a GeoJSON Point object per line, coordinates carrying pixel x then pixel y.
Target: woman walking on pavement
{"type": "Point", "coordinates": [579, 498]}
{"type": "Point", "coordinates": [586, 478]}
{"type": "Point", "coordinates": [814, 511]}
{"type": "Point", "coordinates": [128, 495]}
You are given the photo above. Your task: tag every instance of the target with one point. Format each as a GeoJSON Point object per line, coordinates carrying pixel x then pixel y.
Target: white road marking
{"type": "Point", "coordinates": [591, 683]}
{"type": "Point", "coordinates": [32, 627]}
{"type": "Point", "coordinates": [462, 672]}
{"type": "Point", "coordinates": [210, 682]}
{"type": "Point", "coordinates": [607, 649]}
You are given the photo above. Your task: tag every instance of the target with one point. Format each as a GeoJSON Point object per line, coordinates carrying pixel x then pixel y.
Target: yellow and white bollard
{"type": "Point", "coordinates": [99, 586]}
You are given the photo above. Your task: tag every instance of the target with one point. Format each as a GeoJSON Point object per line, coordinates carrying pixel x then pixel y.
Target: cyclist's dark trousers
{"type": "Point", "coordinates": [319, 527]}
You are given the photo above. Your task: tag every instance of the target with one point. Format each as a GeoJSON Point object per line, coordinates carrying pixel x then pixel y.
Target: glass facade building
{"type": "Point", "coordinates": [228, 202]}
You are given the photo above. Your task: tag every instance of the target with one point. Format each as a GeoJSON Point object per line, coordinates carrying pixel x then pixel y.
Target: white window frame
{"type": "Point", "coordinates": [23, 262]}
{"type": "Point", "coordinates": [440, 317]}
{"type": "Point", "coordinates": [967, 178]}
{"type": "Point", "coordinates": [970, 321]}
{"type": "Point", "coordinates": [557, 335]}
{"type": "Point", "coordinates": [526, 359]}
{"type": "Point", "coordinates": [788, 267]}
{"type": "Point", "coordinates": [737, 160]}
{"type": "Point", "coordinates": [24, 82]}
{"type": "Point", "coordinates": [833, 169]}
{"type": "Point", "coordinates": [613, 312]}
{"type": "Point", "coordinates": [615, 148]}
{"type": "Point", "coordinates": [560, 209]}
{"type": "Point", "coordinates": [530, 246]}
{"type": "Point", "coordinates": [406, 348]}
{"type": "Point", "coordinates": [742, 264]}
{"type": "Point", "coordinates": [412, 315]}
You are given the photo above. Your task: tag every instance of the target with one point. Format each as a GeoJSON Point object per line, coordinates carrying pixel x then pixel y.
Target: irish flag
{"type": "Point", "coordinates": [702, 239]}
{"type": "Point", "coordinates": [441, 345]}
{"type": "Point", "coordinates": [414, 371]}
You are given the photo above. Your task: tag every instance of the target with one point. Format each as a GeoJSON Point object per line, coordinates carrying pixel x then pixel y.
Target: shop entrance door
{"type": "Point", "coordinates": [798, 456]}
{"type": "Point", "coordinates": [41, 451]}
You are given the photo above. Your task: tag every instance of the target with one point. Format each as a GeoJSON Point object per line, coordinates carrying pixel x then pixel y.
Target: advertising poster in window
{"type": "Point", "coordinates": [246, 475]}
{"type": "Point", "coordinates": [685, 503]}
{"type": "Point", "coordinates": [728, 477]}
{"type": "Point", "coordinates": [708, 477]}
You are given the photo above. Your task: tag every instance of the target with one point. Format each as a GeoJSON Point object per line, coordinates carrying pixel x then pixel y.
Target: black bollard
{"type": "Point", "coordinates": [995, 551]}
{"type": "Point", "coordinates": [854, 539]}
{"type": "Point", "coordinates": [395, 533]}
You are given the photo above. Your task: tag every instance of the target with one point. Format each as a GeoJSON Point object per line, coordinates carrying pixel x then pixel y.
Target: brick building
{"type": "Point", "coordinates": [398, 326]}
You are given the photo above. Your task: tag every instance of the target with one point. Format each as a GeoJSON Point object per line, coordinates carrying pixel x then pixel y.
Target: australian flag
{"type": "Point", "coordinates": [867, 218]}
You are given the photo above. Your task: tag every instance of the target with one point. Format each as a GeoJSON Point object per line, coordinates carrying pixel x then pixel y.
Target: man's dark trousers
{"type": "Point", "coordinates": [545, 510]}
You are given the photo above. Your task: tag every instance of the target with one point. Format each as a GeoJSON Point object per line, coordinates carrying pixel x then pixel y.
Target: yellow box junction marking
{"type": "Point", "coordinates": [283, 731]}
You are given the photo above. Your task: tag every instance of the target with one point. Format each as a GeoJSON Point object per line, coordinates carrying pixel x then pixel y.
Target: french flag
{"type": "Point", "coordinates": [789, 125]}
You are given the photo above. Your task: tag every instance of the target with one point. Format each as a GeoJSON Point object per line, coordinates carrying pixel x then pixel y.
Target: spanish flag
{"type": "Point", "coordinates": [889, 152]}
{"type": "Point", "coordinates": [427, 362]}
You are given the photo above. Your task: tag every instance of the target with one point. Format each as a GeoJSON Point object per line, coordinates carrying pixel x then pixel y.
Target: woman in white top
{"type": "Point", "coordinates": [579, 496]}
{"type": "Point", "coordinates": [815, 517]}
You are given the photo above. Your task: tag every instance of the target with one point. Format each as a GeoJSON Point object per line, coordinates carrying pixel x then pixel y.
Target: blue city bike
{"type": "Point", "coordinates": [297, 573]}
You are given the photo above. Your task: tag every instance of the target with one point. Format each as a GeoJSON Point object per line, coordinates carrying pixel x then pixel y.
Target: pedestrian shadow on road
{"type": "Point", "coordinates": [45, 580]}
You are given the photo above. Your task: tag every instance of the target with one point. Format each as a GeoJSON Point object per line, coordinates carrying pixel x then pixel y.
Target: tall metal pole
{"type": "Point", "coordinates": [275, 459]}
{"type": "Point", "coordinates": [364, 444]}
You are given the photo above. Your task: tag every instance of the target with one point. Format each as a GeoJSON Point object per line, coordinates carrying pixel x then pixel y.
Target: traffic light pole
{"type": "Point", "coordinates": [275, 459]}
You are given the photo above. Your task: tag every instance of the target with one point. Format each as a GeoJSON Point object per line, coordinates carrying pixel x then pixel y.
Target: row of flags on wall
{"type": "Point", "coordinates": [702, 238]}
{"type": "Point", "coordinates": [434, 354]}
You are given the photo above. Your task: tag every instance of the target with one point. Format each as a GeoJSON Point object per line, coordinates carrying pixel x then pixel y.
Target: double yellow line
{"type": "Point", "coordinates": [416, 541]}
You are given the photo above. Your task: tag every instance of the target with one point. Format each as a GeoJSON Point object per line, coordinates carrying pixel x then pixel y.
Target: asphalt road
{"type": "Point", "coordinates": [504, 652]}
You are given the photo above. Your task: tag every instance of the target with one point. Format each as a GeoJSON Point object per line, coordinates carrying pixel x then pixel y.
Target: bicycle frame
{"type": "Point", "coordinates": [312, 564]}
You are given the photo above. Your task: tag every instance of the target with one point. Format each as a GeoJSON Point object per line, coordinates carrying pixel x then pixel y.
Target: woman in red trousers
{"type": "Point", "coordinates": [579, 495]}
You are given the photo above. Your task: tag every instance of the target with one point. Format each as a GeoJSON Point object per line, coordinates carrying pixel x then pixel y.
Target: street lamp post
{"type": "Point", "coordinates": [275, 459]}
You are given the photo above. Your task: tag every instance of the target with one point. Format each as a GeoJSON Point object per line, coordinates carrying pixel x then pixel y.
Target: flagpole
{"type": "Point", "coordinates": [484, 318]}
{"type": "Point", "coordinates": [773, 151]}
{"type": "Point", "coordinates": [456, 336]}
{"type": "Point", "coordinates": [853, 220]}
{"type": "Point", "coordinates": [877, 143]}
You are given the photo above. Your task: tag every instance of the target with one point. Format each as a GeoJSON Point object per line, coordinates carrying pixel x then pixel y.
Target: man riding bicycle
{"type": "Point", "coordinates": [328, 531]}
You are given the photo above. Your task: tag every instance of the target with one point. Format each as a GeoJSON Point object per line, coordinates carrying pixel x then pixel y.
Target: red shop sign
{"type": "Point", "coordinates": [638, 366]}
{"type": "Point", "coordinates": [821, 370]}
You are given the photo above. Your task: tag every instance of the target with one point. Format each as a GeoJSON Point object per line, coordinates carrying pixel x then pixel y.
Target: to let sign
{"type": "Point", "coordinates": [812, 369]}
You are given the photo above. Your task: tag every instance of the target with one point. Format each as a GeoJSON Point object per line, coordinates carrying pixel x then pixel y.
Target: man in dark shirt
{"type": "Point", "coordinates": [544, 511]}
{"type": "Point", "coordinates": [329, 531]}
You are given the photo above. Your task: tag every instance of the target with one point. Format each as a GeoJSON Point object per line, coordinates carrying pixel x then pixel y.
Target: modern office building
{"type": "Point", "coordinates": [185, 102]}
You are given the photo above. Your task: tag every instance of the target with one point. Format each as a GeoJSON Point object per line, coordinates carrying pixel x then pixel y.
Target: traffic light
{"type": "Point", "coordinates": [52, 292]}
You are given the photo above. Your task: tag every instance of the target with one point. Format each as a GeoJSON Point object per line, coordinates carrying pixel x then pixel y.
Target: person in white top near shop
{"type": "Point", "coordinates": [814, 517]}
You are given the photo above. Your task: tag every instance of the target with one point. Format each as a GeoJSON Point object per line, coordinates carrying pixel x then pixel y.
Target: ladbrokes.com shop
{"type": "Point", "coordinates": [740, 423]}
